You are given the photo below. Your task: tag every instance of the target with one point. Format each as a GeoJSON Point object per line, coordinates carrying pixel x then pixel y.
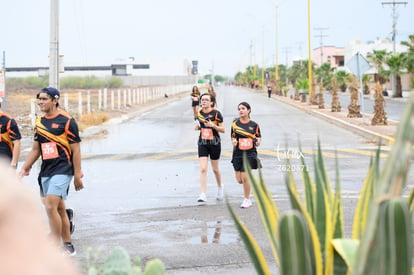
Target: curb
{"type": "Point", "coordinates": [95, 130]}
{"type": "Point", "coordinates": [357, 129]}
{"type": "Point", "coordinates": [380, 138]}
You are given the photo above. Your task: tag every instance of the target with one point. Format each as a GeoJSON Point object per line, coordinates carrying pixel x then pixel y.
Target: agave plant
{"type": "Point", "coordinates": [310, 238]}
{"type": "Point", "coordinates": [119, 262]}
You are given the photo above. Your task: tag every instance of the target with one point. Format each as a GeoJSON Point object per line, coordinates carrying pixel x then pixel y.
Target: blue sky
{"type": "Point", "coordinates": [217, 33]}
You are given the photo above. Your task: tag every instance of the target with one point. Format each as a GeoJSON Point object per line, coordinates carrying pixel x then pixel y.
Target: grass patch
{"type": "Point", "coordinates": [92, 119]}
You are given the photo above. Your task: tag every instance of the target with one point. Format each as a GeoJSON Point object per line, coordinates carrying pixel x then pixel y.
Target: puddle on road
{"type": "Point", "coordinates": [216, 233]}
{"type": "Point", "coordinates": [171, 233]}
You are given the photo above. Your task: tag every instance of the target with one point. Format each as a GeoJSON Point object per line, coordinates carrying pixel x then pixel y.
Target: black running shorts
{"type": "Point", "coordinates": [205, 150]}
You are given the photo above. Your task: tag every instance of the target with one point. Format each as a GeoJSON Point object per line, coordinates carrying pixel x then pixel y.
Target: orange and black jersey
{"type": "Point", "coordinates": [54, 135]}
{"type": "Point", "coordinates": [9, 132]}
{"type": "Point", "coordinates": [195, 93]}
{"type": "Point", "coordinates": [207, 133]}
{"type": "Point", "coordinates": [245, 133]}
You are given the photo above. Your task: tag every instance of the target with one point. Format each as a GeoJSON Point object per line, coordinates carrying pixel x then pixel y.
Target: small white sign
{"type": "Point", "coordinates": [358, 65]}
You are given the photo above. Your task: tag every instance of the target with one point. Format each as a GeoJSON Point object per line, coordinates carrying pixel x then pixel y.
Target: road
{"type": "Point", "coordinates": [142, 182]}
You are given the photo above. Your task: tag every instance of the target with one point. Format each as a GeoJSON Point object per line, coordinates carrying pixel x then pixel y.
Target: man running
{"type": "Point", "coordinates": [57, 141]}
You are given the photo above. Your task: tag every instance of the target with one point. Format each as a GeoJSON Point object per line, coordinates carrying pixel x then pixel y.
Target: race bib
{"type": "Point", "coordinates": [207, 133]}
{"type": "Point", "coordinates": [49, 150]}
{"type": "Point", "coordinates": [245, 143]}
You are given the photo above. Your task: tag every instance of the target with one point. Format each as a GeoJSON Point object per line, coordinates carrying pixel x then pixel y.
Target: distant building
{"type": "Point", "coordinates": [162, 71]}
{"type": "Point", "coordinates": [330, 54]}
{"type": "Point", "coordinates": [356, 46]}
{"type": "Point", "coordinates": [120, 67]}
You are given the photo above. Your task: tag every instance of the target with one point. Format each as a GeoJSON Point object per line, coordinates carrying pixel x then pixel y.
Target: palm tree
{"type": "Point", "coordinates": [396, 66]}
{"type": "Point", "coordinates": [377, 57]}
{"type": "Point", "coordinates": [297, 71]}
{"type": "Point", "coordinates": [283, 77]}
{"type": "Point", "coordinates": [408, 57]}
{"type": "Point", "coordinates": [324, 74]}
{"type": "Point", "coordinates": [365, 79]}
{"type": "Point", "coordinates": [342, 78]}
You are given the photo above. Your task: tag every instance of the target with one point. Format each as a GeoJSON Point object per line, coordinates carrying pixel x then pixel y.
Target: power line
{"type": "Point", "coordinates": [321, 36]}
{"type": "Point", "coordinates": [394, 19]}
{"type": "Point", "coordinates": [286, 50]}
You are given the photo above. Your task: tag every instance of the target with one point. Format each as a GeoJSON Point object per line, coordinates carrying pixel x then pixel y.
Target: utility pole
{"type": "Point", "coordinates": [300, 43]}
{"type": "Point", "coordinates": [54, 44]}
{"type": "Point", "coordinates": [255, 62]}
{"type": "Point", "coordinates": [3, 94]}
{"type": "Point", "coordinates": [277, 54]}
{"type": "Point", "coordinates": [251, 53]}
{"type": "Point", "coordinates": [394, 34]}
{"type": "Point", "coordinates": [212, 74]}
{"type": "Point", "coordinates": [252, 58]}
{"type": "Point", "coordinates": [321, 36]}
{"type": "Point", "coordinates": [286, 50]}
{"type": "Point", "coordinates": [263, 68]}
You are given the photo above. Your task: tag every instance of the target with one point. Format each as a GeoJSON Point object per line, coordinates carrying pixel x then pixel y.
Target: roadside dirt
{"type": "Point", "coordinates": [18, 105]}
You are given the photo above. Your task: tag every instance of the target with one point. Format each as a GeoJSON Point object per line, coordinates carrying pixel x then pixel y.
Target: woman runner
{"type": "Point", "coordinates": [209, 143]}
{"type": "Point", "coordinates": [245, 137]}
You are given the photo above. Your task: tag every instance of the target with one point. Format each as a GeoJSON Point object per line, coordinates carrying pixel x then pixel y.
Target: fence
{"type": "Point", "coordinates": [112, 99]}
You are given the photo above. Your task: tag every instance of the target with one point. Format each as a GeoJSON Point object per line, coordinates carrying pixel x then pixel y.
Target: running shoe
{"type": "Point", "coordinates": [220, 194]}
{"type": "Point", "coordinates": [69, 249]}
{"type": "Point", "coordinates": [202, 198]}
{"type": "Point", "coordinates": [246, 203]}
{"type": "Point", "coordinates": [70, 214]}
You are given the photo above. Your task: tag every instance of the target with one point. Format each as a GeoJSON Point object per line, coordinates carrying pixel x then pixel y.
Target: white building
{"type": "Point", "coordinates": [356, 46]}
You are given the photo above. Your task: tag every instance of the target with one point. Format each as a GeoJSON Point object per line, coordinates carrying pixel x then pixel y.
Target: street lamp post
{"type": "Point", "coordinates": [255, 61]}
{"type": "Point", "coordinates": [276, 54]}
{"type": "Point", "coordinates": [309, 54]}
{"type": "Point", "coordinates": [54, 44]}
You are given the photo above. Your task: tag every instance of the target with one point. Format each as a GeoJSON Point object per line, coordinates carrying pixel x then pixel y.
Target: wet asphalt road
{"type": "Point", "coordinates": [142, 182]}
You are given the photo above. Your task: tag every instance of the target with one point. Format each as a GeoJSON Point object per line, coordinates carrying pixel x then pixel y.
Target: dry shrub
{"type": "Point", "coordinates": [91, 119]}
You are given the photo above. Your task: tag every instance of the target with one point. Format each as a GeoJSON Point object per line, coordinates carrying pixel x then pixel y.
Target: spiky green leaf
{"type": "Point", "coordinates": [267, 207]}
{"type": "Point", "coordinates": [347, 248]}
{"type": "Point", "coordinates": [255, 253]}
{"type": "Point", "coordinates": [391, 183]}
{"type": "Point", "coordinates": [296, 249]}
{"type": "Point", "coordinates": [296, 204]}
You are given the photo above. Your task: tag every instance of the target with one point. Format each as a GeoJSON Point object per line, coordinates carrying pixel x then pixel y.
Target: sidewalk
{"type": "Point", "coordinates": [361, 126]}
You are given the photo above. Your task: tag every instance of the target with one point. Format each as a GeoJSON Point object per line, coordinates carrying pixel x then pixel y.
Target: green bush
{"type": "Point", "coordinates": [32, 82]}
{"type": "Point", "coordinates": [71, 82]}
{"type": "Point", "coordinates": [113, 82]}
{"type": "Point", "coordinates": [90, 82]}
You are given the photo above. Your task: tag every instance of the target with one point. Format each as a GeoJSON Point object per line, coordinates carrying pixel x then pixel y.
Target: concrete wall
{"type": "Point", "coordinates": [157, 80]}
